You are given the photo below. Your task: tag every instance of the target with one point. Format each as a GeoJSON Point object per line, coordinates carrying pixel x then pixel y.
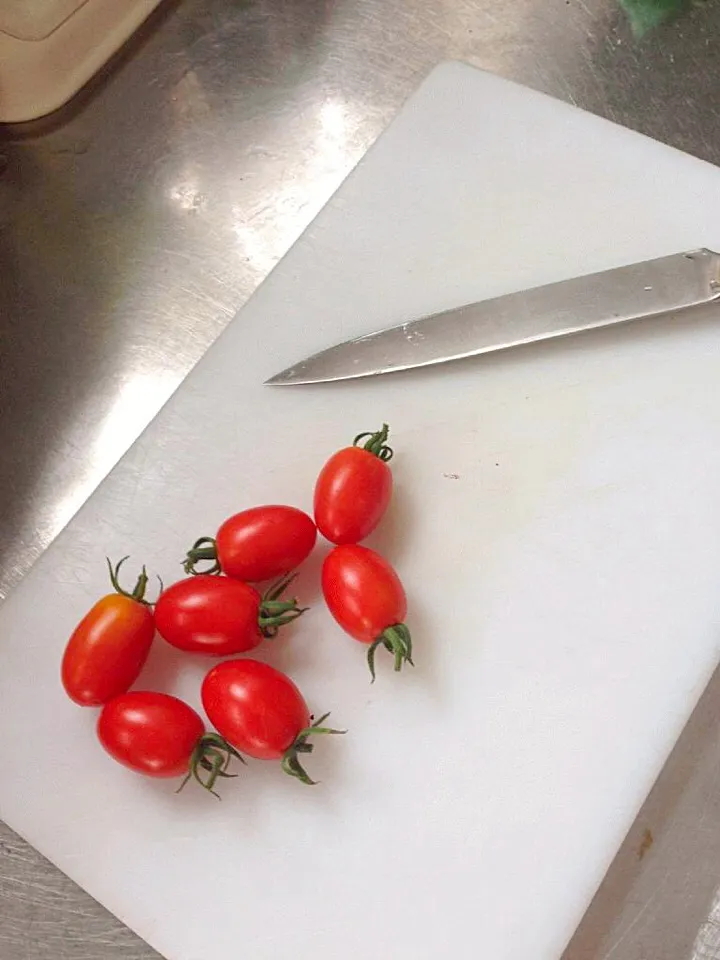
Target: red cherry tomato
{"type": "Point", "coordinates": [257, 544]}
{"type": "Point", "coordinates": [353, 489]}
{"type": "Point", "coordinates": [219, 615]}
{"type": "Point", "coordinates": [261, 712]}
{"type": "Point", "coordinates": [161, 736]}
{"type": "Point", "coordinates": [152, 733]}
{"type": "Point", "coordinates": [108, 648]}
{"type": "Point", "coordinates": [366, 597]}
{"type": "Point", "coordinates": [208, 614]}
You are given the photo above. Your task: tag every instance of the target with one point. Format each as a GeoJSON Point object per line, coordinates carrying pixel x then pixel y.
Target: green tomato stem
{"type": "Point", "coordinates": [202, 551]}
{"type": "Point", "coordinates": [209, 762]}
{"type": "Point", "coordinates": [376, 443]}
{"type": "Point", "coordinates": [397, 641]}
{"type": "Point", "coordinates": [290, 762]}
{"type": "Point", "coordinates": [274, 612]}
{"type": "Point", "coordinates": [138, 592]}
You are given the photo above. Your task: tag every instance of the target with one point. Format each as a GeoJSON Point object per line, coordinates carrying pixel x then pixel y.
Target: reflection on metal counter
{"type": "Point", "coordinates": [136, 222]}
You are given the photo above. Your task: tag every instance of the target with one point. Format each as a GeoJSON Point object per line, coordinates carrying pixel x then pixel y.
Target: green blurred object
{"type": "Point", "coordinates": [644, 15]}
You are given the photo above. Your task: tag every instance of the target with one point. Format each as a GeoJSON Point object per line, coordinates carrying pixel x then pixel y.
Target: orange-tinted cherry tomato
{"type": "Point", "coordinates": [353, 489]}
{"type": "Point", "coordinates": [261, 543]}
{"type": "Point", "coordinates": [108, 648]}
{"type": "Point", "coordinates": [365, 596]}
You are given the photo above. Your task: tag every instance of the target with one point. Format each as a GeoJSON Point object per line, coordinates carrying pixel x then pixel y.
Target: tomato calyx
{"type": "Point", "coordinates": [275, 612]}
{"type": "Point", "coordinates": [291, 761]}
{"type": "Point", "coordinates": [397, 641]}
{"type": "Point", "coordinates": [138, 593]}
{"type": "Point", "coordinates": [375, 443]}
{"type": "Point", "coordinates": [209, 762]}
{"type": "Point", "coordinates": [202, 551]}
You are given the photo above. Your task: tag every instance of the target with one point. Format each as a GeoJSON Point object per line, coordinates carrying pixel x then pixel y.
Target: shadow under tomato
{"type": "Point", "coordinates": [297, 648]}
{"type": "Point", "coordinates": [425, 652]}
{"type": "Point", "coordinates": [245, 796]}
{"type": "Point", "coordinates": [393, 537]}
{"type": "Point", "coordinates": [165, 665]}
{"type": "Point", "coordinates": [307, 584]}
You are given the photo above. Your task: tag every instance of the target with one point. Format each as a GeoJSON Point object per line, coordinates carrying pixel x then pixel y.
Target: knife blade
{"type": "Point", "coordinates": [640, 290]}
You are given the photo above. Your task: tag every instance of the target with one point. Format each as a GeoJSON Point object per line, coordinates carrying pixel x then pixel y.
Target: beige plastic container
{"type": "Point", "coordinates": [50, 48]}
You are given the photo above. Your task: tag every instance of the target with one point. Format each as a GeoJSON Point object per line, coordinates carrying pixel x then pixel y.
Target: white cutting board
{"type": "Point", "coordinates": [556, 521]}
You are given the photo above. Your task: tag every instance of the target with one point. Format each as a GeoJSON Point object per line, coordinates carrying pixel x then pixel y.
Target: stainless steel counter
{"type": "Point", "coordinates": [134, 224]}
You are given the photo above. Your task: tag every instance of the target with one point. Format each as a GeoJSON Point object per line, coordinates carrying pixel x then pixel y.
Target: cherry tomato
{"type": "Point", "coordinates": [261, 712]}
{"type": "Point", "coordinates": [366, 597]}
{"type": "Point", "coordinates": [257, 544]}
{"type": "Point", "coordinates": [161, 736]}
{"type": "Point", "coordinates": [354, 488]}
{"type": "Point", "coordinates": [108, 648]}
{"type": "Point", "coordinates": [219, 615]}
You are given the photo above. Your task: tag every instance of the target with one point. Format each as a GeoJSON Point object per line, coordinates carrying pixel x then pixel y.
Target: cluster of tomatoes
{"type": "Point", "coordinates": [255, 710]}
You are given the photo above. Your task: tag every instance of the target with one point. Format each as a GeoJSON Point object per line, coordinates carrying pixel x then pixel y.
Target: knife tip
{"type": "Point", "coordinates": [282, 379]}
{"type": "Point", "coordinates": [296, 376]}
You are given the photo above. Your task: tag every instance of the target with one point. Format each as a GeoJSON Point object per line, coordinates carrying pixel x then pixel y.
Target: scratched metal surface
{"type": "Point", "coordinates": [130, 235]}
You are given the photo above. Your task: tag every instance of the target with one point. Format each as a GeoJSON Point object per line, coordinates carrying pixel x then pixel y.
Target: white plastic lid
{"type": "Point", "coordinates": [50, 48]}
{"type": "Point", "coordinates": [35, 19]}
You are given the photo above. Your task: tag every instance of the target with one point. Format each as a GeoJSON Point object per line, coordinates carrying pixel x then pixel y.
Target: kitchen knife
{"type": "Point", "coordinates": [645, 289]}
